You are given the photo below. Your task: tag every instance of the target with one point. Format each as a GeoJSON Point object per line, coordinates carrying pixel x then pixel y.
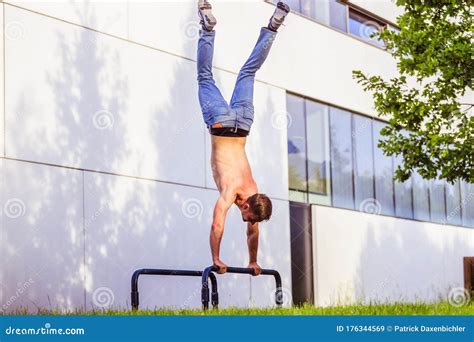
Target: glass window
{"type": "Point", "coordinates": [467, 203]}
{"type": "Point", "coordinates": [318, 149]}
{"type": "Point", "coordinates": [421, 198]}
{"type": "Point", "coordinates": [338, 15]}
{"type": "Point", "coordinates": [453, 203]}
{"type": "Point", "coordinates": [403, 195]}
{"type": "Point", "coordinates": [364, 26]}
{"type": "Point", "coordinates": [383, 167]}
{"type": "Point", "coordinates": [363, 161]}
{"type": "Point", "coordinates": [341, 158]}
{"type": "Point", "coordinates": [293, 4]}
{"type": "Point", "coordinates": [296, 144]}
{"type": "Point", "coordinates": [334, 159]}
{"type": "Point", "coordinates": [308, 7]}
{"type": "Point", "coordinates": [328, 12]}
{"type": "Point", "coordinates": [437, 200]}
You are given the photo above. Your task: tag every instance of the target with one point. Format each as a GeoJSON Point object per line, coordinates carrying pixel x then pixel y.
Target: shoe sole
{"type": "Point", "coordinates": [208, 18]}
{"type": "Point", "coordinates": [284, 7]}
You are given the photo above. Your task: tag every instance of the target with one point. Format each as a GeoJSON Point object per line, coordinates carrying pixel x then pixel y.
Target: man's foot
{"type": "Point", "coordinates": [281, 11]}
{"type": "Point", "coordinates": [208, 21]}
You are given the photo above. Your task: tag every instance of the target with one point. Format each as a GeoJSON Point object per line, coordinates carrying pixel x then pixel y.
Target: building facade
{"type": "Point", "coordinates": [104, 160]}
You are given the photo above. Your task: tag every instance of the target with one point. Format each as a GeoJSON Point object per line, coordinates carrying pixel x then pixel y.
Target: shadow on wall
{"type": "Point", "coordinates": [91, 95]}
{"type": "Point", "coordinates": [41, 237]}
{"type": "Point", "coordinates": [44, 245]}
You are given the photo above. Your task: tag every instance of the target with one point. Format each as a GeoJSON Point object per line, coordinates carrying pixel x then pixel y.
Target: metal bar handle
{"type": "Point", "coordinates": [189, 273]}
{"type": "Point", "coordinates": [208, 271]}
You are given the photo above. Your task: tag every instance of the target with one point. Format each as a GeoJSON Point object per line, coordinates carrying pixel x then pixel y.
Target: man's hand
{"type": "Point", "coordinates": [256, 268]}
{"type": "Point", "coordinates": [222, 267]}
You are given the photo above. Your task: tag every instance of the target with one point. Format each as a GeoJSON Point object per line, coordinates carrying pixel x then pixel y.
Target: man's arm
{"type": "Point", "coordinates": [217, 230]}
{"type": "Point", "coordinates": [252, 242]}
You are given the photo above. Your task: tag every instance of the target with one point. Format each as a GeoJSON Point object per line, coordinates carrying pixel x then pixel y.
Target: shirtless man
{"type": "Point", "coordinates": [229, 124]}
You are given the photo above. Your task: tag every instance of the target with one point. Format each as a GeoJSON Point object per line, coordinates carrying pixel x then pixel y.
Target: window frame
{"type": "Point", "coordinates": [307, 195]}
{"type": "Point", "coordinates": [383, 24]}
{"type": "Point", "coordinates": [356, 8]}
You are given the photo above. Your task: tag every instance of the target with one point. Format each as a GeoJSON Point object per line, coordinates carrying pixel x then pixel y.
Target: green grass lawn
{"type": "Point", "coordinates": [441, 308]}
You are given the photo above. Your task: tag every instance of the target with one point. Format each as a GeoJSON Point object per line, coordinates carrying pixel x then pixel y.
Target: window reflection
{"type": "Point", "coordinates": [421, 198]}
{"type": "Point", "coordinates": [363, 162]}
{"type": "Point", "coordinates": [318, 149]}
{"type": "Point", "coordinates": [453, 203]}
{"type": "Point", "coordinates": [297, 144]}
{"type": "Point", "coordinates": [467, 204]}
{"type": "Point", "coordinates": [328, 12]}
{"type": "Point", "coordinates": [293, 4]}
{"type": "Point", "coordinates": [437, 207]}
{"type": "Point", "coordinates": [334, 159]}
{"type": "Point", "coordinates": [403, 195]}
{"type": "Point", "coordinates": [341, 158]}
{"type": "Point", "coordinates": [364, 26]}
{"type": "Point", "coordinates": [383, 167]}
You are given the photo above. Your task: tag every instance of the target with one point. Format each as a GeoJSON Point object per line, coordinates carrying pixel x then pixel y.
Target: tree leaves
{"type": "Point", "coordinates": [434, 48]}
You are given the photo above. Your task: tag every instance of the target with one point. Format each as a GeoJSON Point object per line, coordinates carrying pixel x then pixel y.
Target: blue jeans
{"type": "Point", "coordinates": [240, 112]}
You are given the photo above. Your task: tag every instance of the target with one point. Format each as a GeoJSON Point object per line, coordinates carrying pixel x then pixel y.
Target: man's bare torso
{"type": "Point", "coordinates": [230, 167]}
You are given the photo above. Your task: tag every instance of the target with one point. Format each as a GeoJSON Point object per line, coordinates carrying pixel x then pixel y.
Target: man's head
{"type": "Point", "coordinates": [256, 208]}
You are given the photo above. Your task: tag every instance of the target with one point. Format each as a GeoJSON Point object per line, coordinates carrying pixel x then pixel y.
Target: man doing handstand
{"type": "Point", "coordinates": [229, 125]}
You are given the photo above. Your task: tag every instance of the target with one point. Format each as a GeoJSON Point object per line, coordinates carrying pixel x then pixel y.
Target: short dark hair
{"type": "Point", "coordinates": [261, 206]}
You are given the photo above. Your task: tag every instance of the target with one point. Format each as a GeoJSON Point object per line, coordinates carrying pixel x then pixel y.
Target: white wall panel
{"type": "Point", "coordinates": [2, 235]}
{"type": "Point", "coordinates": [133, 224]}
{"type": "Point", "coordinates": [455, 240]}
{"type": "Point", "coordinates": [42, 244]}
{"type": "Point", "coordinates": [82, 99]}
{"type": "Point", "coordinates": [363, 258]}
{"type": "Point", "coordinates": [2, 76]}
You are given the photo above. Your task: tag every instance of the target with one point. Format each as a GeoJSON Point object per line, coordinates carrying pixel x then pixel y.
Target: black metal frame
{"type": "Point", "coordinates": [186, 273]}
{"type": "Point", "coordinates": [208, 272]}
{"type": "Point", "coordinates": [205, 275]}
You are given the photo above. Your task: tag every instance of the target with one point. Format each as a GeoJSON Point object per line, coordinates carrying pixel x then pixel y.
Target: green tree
{"type": "Point", "coordinates": [429, 126]}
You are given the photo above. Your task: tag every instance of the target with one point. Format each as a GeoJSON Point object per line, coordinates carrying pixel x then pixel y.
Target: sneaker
{"type": "Point", "coordinates": [281, 11]}
{"type": "Point", "coordinates": [208, 21]}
